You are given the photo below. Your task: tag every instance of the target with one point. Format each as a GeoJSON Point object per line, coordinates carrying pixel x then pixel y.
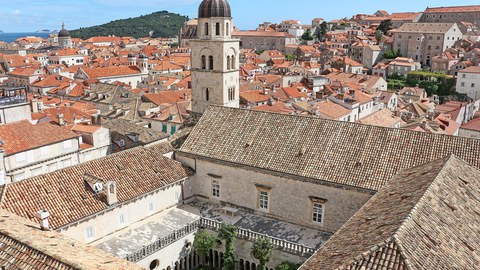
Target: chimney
{"type": "Point", "coordinates": [96, 119]}
{"type": "Point", "coordinates": [37, 105]}
{"type": "Point", "coordinates": [61, 119]}
{"type": "Point", "coordinates": [111, 193]}
{"type": "Point", "coordinates": [43, 215]}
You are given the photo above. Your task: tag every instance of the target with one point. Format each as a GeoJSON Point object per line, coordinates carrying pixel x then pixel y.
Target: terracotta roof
{"type": "Point", "coordinates": [136, 172]}
{"type": "Point", "coordinates": [254, 96]}
{"type": "Point", "coordinates": [357, 155]}
{"type": "Point", "coordinates": [473, 124]}
{"type": "Point", "coordinates": [475, 8]}
{"type": "Point", "coordinates": [473, 69]}
{"type": "Point", "coordinates": [382, 118]}
{"type": "Point", "coordinates": [261, 34]}
{"type": "Point", "coordinates": [22, 136]}
{"type": "Point", "coordinates": [434, 28]}
{"type": "Point", "coordinates": [424, 218]}
{"type": "Point", "coordinates": [169, 97]}
{"type": "Point", "coordinates": [102, 72]}
{"type": "Point", "coordinates": [24, 246]}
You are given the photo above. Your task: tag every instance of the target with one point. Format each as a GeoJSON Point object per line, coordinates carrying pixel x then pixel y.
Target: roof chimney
{"type": "Point", "coordinates": [61, 120]}
{"type": "Point", "coordinates": [43, 215]}
{"type": "Point", "coordinates": [112, 193]}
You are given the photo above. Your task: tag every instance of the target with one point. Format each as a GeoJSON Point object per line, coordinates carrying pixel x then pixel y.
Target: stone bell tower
{"type": "Point", "coordinates": [215, 58]}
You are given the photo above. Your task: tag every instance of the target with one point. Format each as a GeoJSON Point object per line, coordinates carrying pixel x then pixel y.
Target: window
{"type": "Point", "coordinates": [464, 76]}
{"type": "Point", "coordinates": [173, 129]}
{"type": "Point", "coordinates": [151, 207]}
{"type": "Point", "coordinates": [463, 84]}
{"type": "Point", "coordinates": [44, 151]}
{"type": "Point", "coordinates": [263, 200]}
{"type": "Point", "coordinates": [67, 144]}
{"type": "Point", "coordinates": [231, 93]}
{"type": "Point", "coordinates": [206, 29]}
{"type": "Point", "coordinates": [232, 63]}
{"type": "Point", "coordinates": [473, 85]}
{"type": "Point", "coordinates": [18, 177]}
{"type": "Point", "coordinates": [210, 62]}
{"type": "Point", "coordinates": [207, 94]}
{"type": "Point", "coordinates": [20, 157]}
{"type": "Point", "coordinates": [228, 62]}
{"type": "Point", "coordinates": [164, 128]}
{"type": "Point", "coordinates": [89, 233]}
{"type": "Point", "coordinates": [36, 171]}
{"type": "Point", "coordinates": [215, 188]}
{"type": "Point", "coordinates": [317, 213]}
{"type": "Point", "coordinates": [227, 29]}
{"type": "Point", "coordinates": [52, 167]}
{"type": "Point", "coordinates": [121, 220]}
{"type": "Point", "coordinates": [204, 62]}
{"type": "Point", "coordinates": [217, 29]}
{"type": "Point", "coordinates": [66, 163]}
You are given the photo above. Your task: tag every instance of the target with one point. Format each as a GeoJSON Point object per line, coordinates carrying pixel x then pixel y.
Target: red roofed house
{"type": "Point", "coordinates": [29, 150]}
{"type": "Point", "coordinates": [130, 75]}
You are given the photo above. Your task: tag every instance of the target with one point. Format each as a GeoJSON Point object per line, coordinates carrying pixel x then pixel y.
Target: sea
{"type": "Point", "coordinates": [10, 37]}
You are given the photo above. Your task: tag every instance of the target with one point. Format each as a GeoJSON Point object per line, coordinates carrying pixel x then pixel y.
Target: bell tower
{"type": "Point", "coordinates": [215, 58]}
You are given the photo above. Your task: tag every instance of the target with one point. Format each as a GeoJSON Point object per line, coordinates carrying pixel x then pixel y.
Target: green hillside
{"type": "Point", "coordinates": [161, 24]}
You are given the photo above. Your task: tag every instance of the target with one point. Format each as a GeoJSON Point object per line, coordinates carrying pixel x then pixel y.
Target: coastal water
{"type": "Point", "coordinates": [10, 37]}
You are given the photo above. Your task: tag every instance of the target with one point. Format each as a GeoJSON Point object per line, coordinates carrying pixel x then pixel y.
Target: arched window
{"type": "Point", "coordinates": [227, 30]}
{"type": "Point", "coordinates": [233, 64]}
{"type": "Point", "coordinates": [204, 62]}
{"type": "Point", "coordinates": [207, 94]}
{"type": "Point", "coordinates": [228, 63]}
{"type": "Point", "coordinates": [217, 29]}
{"type": "Point", "coordinates": [210, 62]}
{"type": "Point", "coordinates": [206, 29]}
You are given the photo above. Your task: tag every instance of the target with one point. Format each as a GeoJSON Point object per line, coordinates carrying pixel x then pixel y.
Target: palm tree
{"type": "Point", "coordinates": [262, 250]}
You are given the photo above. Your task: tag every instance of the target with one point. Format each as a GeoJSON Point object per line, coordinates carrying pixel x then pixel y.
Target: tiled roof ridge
{"type": "Point", "coordinates": [420, 201]}
{"type": "Point", "coordinates": [35, 246]}
{"type": "Point", "coordinates": [326, 120]}
{"type": "Point", "coordinates": [377, 247]}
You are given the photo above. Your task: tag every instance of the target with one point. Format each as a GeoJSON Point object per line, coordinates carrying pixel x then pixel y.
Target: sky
{"type": "Point", "coordinates": [32, 15]}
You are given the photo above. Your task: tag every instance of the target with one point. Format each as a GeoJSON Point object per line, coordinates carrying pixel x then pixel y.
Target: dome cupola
{"type": "Point", "coordinates": [64, 32]}
{"type": "Point", "coordinates": [214, 9]}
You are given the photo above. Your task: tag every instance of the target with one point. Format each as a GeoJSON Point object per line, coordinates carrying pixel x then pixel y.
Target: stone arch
{"type": "Point", "coordinates": [204, 62]}
{"type": "Point", "coordinates": [210, 62]}
{"type": "Point", "coordinates": [247, 265]}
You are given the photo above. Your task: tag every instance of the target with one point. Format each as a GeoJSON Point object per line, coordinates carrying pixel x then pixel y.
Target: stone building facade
{"type": "Point", "coordinates": [423, 41]}
{"type": "Point", "coordinates": [452, 14]}
{"type": "Point", "coordinates": [259, 40]}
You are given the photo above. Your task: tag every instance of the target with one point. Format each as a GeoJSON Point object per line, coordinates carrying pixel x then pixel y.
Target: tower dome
{"type": "Point", "coordinates": [64, 32]}
{"type": "Point", "coordinates": [214, 8]}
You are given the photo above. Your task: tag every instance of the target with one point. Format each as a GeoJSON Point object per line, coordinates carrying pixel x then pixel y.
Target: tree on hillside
{"type": "Point", "coordinates": [378, 36]}
{"type": "Point", "coordinates": [322, 32]}
{"type": "Point", "coordinates": [307, 35]}
{"type": "Point", "coordinates": [385, 26]}
{"type": "Point", "coordinates": [392, 54]}
{"type": "Point", "coordinates": [262, 251]}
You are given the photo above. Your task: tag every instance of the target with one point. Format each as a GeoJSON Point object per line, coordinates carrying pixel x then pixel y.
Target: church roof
{"type": "Point", "coordinates": [214, 8]}
{"type": "Point", "coordinates": [343, 153]}
{"type": "Point", "coordinates": [424, 218]}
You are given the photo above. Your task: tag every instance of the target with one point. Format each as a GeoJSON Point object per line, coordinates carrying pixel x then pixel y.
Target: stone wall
{"type": "Point", "coordinates": [289, 199]}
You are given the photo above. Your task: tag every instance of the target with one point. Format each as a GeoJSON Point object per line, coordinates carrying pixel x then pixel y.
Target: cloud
{"type": "Point", "coordinates": [16, 12]}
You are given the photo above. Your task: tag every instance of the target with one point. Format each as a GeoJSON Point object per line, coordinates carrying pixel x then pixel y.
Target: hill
{"type": "Point", "coordinates": [159, 24]}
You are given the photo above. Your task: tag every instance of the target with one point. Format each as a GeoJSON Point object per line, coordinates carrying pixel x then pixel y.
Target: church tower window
{"type": "Point", "coordinates": [233, 62]}
{"type": "Point", "coordinates": [210, 62]}
{"type": "Point", "coordinates": [204, 62]}
{"type": "Point", "coordinates": [217, 29]}
{"type": "Point", "coordinates": [228, 63]}
{"type": "Point", "coordinates": [207, 94]}
{"type": "Point", "coordinates": [206, 29]}
{"type": "Point", "coordinates": [227, 30]}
